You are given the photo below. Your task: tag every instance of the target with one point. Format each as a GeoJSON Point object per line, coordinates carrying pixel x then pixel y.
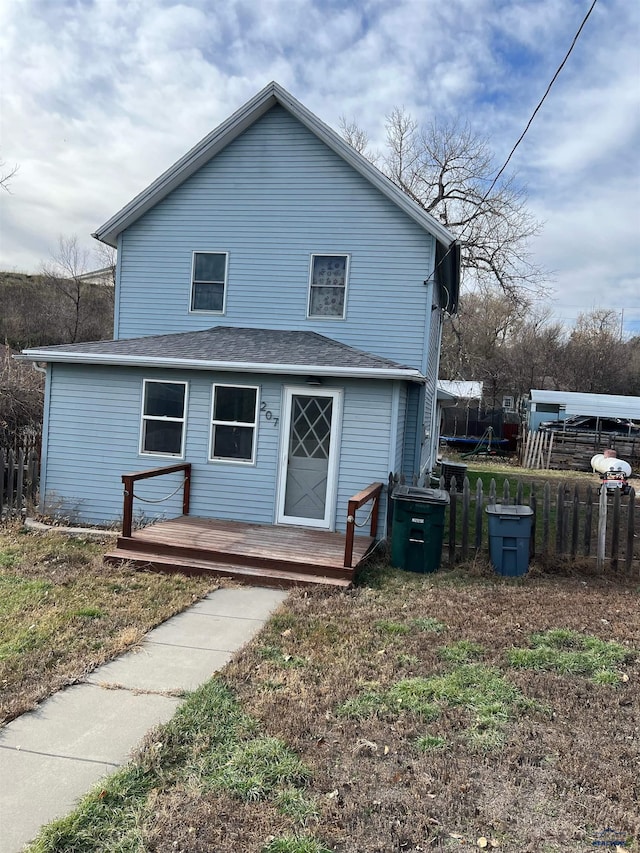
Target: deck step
{"type": "Point", "coordinates": [256, 575]}
{"type": "Point", "coordinates": [180, 552]}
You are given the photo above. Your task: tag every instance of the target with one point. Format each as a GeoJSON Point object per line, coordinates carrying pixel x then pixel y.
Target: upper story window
{"type": "Point", "coordinates": [164, 406]}
{"type": "Point", "coordinates": [209, 281]}
{"type": "Point", "coordinates": [234, 423]}
{"type": "Point", "coordinates": [328, 286]}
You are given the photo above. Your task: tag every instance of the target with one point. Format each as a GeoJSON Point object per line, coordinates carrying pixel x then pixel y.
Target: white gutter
{"type": "Point", "coordinates": [227, 366]}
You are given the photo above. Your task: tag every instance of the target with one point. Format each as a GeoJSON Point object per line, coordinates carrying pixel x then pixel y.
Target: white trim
{"type": "Point", "coordinates": [347, 268]}
{"type": "Point", "coordinates": [223, 460]}
{"type": "Point", "coordinates": [409, 373]}
{"type": "Point", "coordinates": [193, 310]}
{"type": "Point", "coordinates": [182, 420]}
{"type": "Point", "coordinates": [329, 520]}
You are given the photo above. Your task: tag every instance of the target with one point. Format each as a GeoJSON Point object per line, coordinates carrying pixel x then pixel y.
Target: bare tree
{"type": "Point", "coordinates": [7, 173]}
{"type": "Point", "coordinates": [64, 272]}
{"type": "Point", "coordinates": [448, 170]}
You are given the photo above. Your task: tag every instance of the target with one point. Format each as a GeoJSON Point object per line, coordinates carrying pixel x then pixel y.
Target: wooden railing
{"type": "Point", "coordinates": [129, 479]}
{"type": "Point", "coordinates": [371, 493]}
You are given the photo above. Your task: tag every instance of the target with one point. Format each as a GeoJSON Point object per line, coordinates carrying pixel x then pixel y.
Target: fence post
{"type": "Point", "coordinates": [479, 513]}
{"type": "Point", "coordinates": [575, 516]}
{"type": "Point", "coordinates": [588, 517]}
{"type": "Point", "coordinates": [3, 466]}
{"type": "Point", "coordinates": [602, 529]}
{"type": "Point", "coordinates": [466, 500]}
{"type": "Point", "coordinates": [559, 519]}
{"type": "Point", "coordinates": [533, 503]}
{"type": "Point", "coordinates": [615, 529]}
{"type": "Point", "coordinates": [506, 493]}
{"type": "Point", "coordinates": [546, 516]}
{"type": "Point", "coordinates": [630, 529]}
{"type": "Point", "coordinates": [452, 521]}
{"type": "Point", "coordinates": [20, 482]}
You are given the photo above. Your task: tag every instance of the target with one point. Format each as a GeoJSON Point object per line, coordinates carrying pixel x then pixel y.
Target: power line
{"type": "Point", "coordinates": [540, 103]}
{"type": "Point", "coordinates": [528, 125]}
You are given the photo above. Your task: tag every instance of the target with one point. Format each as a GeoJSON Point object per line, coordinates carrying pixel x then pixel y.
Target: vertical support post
{"type": "Point", "coordinates": [351, 529]}
{"type": "Point", "coordinates": [479, 513]}
{"type": "Point", "coordinates": [630, 529]}
{"type": "Point", "coordinates": [615, 529]}
{"type": "Point", "coordinates": [602, 529]}
{"type": "Point", "coordinates": [127, 509]}
{"type": "Point", "coordinates": [186, 492]}
{"type": "Point", "coordinates": [466, 501]}
{"type": "Point", "coordinates": [588, 518]}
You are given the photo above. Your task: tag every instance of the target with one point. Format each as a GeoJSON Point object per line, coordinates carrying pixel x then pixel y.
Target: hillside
{"type": "Point", "coordinates": [37, 310]}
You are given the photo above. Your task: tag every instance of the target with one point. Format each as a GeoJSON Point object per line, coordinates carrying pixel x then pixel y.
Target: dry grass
{"type": "Point", "coordinates": [398, 717]}
{"type": "Point", "coordinates": [62, 612]}
{"type": "Point", "coordinates": [561, 770]}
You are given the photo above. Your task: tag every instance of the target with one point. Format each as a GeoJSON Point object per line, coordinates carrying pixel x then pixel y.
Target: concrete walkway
{"type": "Point", "coordinates": [51, 756]}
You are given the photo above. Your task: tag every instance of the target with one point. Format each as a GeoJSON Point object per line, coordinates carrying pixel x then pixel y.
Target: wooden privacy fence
{"type": "Point", "coordinates": [19, 479]}
{"type": "Point", "coordinates": [568, 523]}
{"type": "Point", "coordinates": [572, 450]}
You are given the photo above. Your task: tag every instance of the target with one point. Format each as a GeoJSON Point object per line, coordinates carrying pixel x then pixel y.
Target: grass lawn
{"type": "Point", "coordinates": [412, 713]}
{"type": "Point", "coordinates": [62, 612]}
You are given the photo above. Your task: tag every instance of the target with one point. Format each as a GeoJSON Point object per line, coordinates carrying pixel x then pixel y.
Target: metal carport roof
{"type": "Point", "coordinates": [598, 405]}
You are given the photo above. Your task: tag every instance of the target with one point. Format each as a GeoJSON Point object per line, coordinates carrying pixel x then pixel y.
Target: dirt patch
{"type": "Point", "coordinates": [562, 770]}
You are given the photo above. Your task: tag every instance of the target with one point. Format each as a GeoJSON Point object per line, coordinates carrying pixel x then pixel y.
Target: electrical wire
{"type": "Point", "coordinates": [524, 132]}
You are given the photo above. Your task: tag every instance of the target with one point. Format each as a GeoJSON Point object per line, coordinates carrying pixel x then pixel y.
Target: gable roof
{"type": "Point", "coordinates": [226, 348]}
{"type": "Point", "coordinates": [229, 130]}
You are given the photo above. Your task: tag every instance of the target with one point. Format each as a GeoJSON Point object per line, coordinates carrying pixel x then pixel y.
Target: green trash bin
{"type": "Point", "coordinates": [509, 538]}
{"type": "Point", "coordinates": [418, 528]}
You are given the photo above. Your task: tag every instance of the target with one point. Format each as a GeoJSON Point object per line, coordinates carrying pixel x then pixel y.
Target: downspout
{"type": "Point", "coordinates": [45, 436]}
{"type": "Point", "coordinates": [393, 441]}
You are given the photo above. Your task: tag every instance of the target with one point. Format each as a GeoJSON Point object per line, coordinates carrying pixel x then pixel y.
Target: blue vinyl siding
{"type": "Point", "coordinates": [93, 438]}
{"type": "Point", "coordinates": [271, 199]}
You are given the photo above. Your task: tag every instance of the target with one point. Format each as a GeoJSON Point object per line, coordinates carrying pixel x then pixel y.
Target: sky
{"type": "Point", "coordinates": [98, 97]}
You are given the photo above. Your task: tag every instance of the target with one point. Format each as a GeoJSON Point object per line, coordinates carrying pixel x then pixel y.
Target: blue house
{"type": "Point", "coordinates": [278, 315]}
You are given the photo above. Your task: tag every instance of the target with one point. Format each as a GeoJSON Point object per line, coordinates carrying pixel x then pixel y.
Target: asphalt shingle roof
{"type": "Point", "coordinates": [226, 345]}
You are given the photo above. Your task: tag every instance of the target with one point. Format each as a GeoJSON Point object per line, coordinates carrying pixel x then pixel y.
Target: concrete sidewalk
{"type": "Point", "coordinates": [50, 757]}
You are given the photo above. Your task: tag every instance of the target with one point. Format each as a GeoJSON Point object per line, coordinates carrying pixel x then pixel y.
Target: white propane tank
{"type": "Point", "coordinates": [604, 464]}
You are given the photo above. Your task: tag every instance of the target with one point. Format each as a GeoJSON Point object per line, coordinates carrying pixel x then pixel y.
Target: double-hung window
{"type": "Point", "coordinates": [209, 281]}
{"type": "Point", "coordinates": [328, 286]}
{"type": "Point", "coordinates": [234, 423]}
{"type": "Point", "coordinates": [164, 406]}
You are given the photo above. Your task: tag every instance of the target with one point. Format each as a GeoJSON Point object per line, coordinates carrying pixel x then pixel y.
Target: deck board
{"type": "Point", "coordinates": [266, 550]}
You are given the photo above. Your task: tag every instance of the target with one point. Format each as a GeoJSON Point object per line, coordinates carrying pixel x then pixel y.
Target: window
{"type": "Point", "coordinates": [234, 423]}
{"type": "Point", "coordinates": [328, 286]}
{"type": "Point", "coordinates": [163, 416]}
{"type": "Point", "coordinates": [507, 404]}
{"type": "Point", "coordinates": [208, 283]}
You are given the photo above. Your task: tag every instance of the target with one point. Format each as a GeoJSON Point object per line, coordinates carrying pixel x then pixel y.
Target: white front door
{"type": "Point", "coordinates": [309, 457]}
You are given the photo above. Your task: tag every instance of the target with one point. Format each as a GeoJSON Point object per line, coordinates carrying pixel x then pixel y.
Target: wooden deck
{"type": "Point", "coordinates": [264, 555]}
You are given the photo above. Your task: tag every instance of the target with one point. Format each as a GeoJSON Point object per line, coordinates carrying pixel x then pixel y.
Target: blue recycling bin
{"type": "Point", "coordinates": [509, 538]}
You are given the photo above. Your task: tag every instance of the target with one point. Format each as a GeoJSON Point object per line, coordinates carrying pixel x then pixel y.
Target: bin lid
{"type": "Point", "coordinates": [509, 510]}
{"type": "Point", "coordinates": [447, 463]}
{"type": "Point", "coordinates": [415, 493]}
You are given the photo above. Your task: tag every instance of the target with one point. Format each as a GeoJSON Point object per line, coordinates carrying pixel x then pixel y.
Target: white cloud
{"type": "Point", "coordinates": [100, 97]}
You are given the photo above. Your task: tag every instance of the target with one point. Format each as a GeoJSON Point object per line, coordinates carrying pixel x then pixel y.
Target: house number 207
{"type": "Point", "coordinates": [268, 414]}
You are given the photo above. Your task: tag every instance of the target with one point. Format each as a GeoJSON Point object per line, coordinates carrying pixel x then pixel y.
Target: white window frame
{"type": "Point", "coordinates": [193, 310]}
{"type": "Point", "coordinates": [144, 417]}
{"type": "Point", "coordinates": [347, 267]}
{"type": "Point", "coordinates": [508, 403]}
{"type": "Point", "coordinates": [223, 460]}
